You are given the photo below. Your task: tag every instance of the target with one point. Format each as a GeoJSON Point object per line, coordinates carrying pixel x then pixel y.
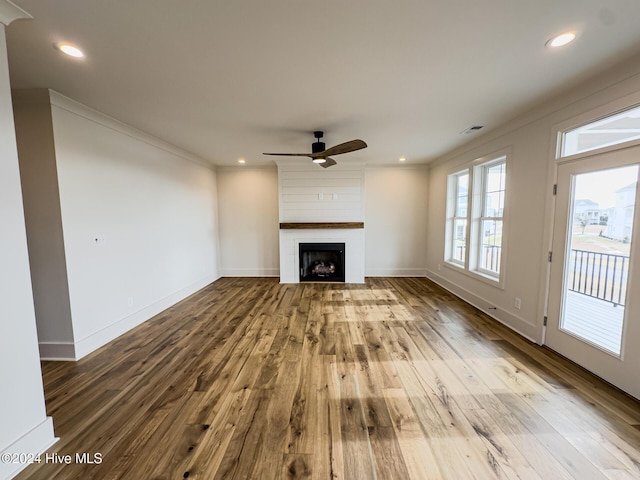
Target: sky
{"type": "Point", "coordinates": [601, 186]}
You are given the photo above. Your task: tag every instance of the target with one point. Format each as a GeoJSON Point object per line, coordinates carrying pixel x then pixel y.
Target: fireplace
{"type": "Point", "coordinates": [322, 262]}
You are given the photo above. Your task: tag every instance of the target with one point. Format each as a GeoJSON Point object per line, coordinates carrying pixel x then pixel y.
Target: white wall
{"type": "Point", "coordinates": [152, 207]}
{"type": "Point", "coordinates": [24, 426]}
{"type": "Point", "coordinates": [310, 193]}
{"type": "Point", "coordinates": [531, 139]}
{"type": "Point", "coordinates": [41, 197]}
{"type": "Point", "coordinates": [395, 202]}
{"type": "Point", "coordinates": [248, 216]}
{"type": "Point", "coordinates": [396, 220]}
{"type": "Point", "coordinates": [139, 223]}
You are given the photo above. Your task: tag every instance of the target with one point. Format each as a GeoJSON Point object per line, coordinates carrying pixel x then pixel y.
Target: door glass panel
{"type": "Point", "coordinates": [598, 250]}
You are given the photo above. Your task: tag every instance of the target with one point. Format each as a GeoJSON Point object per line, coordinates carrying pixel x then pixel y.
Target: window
{"type": "Point", "coordinates": [457, 217]}
{"type": "Point", "coordinates": [491, 178]}
{"type": "Point", "coordinates": [475, 217]}
{"type": "Point", "coordinates": [613, 130]}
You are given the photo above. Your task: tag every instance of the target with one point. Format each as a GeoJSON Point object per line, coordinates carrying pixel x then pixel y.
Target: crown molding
{"type": "Point", "coordinates": [10, 11]}
{"type": "Point", "coordinates": [77, 108]}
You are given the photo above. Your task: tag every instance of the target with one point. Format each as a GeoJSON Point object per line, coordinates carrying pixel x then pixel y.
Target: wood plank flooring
{"type": "Point", "coordinates": [394, 379]}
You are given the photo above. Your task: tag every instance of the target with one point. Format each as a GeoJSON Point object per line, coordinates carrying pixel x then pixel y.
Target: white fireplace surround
{"type": "Point", "coordinates": [353, 240]}
{"type": "Point", "coordinates": [308, 193]}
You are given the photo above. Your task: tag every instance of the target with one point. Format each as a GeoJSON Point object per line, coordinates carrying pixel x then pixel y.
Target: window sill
{"type": "Point", "coordinates": [488, 279]}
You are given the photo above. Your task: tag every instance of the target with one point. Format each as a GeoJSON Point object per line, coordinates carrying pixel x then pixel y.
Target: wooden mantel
{"type": "Point", "coordinates": [326, 225]}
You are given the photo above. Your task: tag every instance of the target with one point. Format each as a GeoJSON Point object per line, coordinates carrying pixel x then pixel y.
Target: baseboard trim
{"type": "Point", "coordinates": [250, 272]}
{"type": "Point", "coordinates": [35, 441]}
{"type": "Point", "coordinates": [57, 351]}
{"type": "Point", "coordinates": [85, 346]}
{"type": "Point", "coordinates": [396, 272]}
{"type": "Point", "coordinates": [515, 323]}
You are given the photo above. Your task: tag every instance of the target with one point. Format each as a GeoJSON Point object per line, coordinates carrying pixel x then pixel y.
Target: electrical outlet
{"type": "Point", "coordinates": [130, 301]}
{"type": "Point", "coordinates": [518, 303]}
{"type": "Point", "coordinates": [439, 266]}
{"type": "Point", "coordinates": [335, 196]}
{"type": "Point", "coordinates": [321, 196]}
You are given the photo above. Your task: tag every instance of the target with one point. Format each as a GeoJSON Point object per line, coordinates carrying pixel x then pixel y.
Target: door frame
{"type": "Point", "coordinates": [554, 164]}
{"type": "Point", "coordinates": [598, 112]}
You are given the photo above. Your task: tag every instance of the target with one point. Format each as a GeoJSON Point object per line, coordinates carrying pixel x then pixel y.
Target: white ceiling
{"type": "Point", "coordinates": [231, 79]}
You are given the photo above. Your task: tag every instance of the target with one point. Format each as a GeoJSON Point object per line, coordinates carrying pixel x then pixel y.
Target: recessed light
{"type": "Point", "coordinates": [241, 161]}
{"type": "Point", "coordinates": [402, 159]}
{"type": "Point", "coordinates": [70, 50]}
{"type": "Point", "coordinates": [561, 40]}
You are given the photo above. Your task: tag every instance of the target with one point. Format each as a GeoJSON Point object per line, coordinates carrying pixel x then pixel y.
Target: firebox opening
{"type": "Point", "coordinates": [322, 262]}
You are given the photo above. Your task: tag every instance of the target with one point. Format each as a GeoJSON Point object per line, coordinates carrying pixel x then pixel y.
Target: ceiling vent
{"type": "Point", "coordinates": [471, 129]}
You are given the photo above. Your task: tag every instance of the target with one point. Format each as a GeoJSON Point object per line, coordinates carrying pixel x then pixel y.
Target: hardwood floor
{"type": "Point", "coordinates": [395, 379]}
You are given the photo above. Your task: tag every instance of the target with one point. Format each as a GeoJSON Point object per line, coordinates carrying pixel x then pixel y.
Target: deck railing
{"type": "Point", "coordinates": [490, 256]}
{"type": "Point", "coordinates": [599, 275]}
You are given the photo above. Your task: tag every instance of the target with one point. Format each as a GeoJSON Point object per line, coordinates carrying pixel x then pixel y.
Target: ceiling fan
{"type": "Point", "coordinates": [321, 156]}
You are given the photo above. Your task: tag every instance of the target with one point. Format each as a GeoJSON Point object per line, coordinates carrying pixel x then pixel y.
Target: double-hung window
{"type": "Point", "coordinates": [475, 217]}
{"type": "Point", "coordinates": [490, 179]}
{"type": "Point", "coordinates": [457, 218]}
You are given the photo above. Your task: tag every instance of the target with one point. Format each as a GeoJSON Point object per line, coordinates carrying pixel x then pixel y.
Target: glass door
{"type": "Point", "coordinates": [593, 313]}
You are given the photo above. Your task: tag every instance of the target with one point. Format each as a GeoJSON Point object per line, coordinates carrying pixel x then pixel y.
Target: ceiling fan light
{"type": "Point", "coordinates": [319, 160]}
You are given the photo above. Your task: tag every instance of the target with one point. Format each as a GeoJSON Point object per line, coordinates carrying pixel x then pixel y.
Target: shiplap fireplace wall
{"type": "Point", "coordinates": [308, 193]}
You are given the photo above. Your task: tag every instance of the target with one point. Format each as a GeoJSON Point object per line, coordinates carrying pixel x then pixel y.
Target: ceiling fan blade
{"type": "Point", "coordinates": [346, 147]}
{"type": "Point", "coordinates": [329, 162]}
{"type": "Point", "coordinates": [291, 154]}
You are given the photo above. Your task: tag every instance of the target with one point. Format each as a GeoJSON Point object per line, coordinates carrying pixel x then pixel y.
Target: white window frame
{"type": "Point", "coordinates": [477, 191]}
{"type": "Point", "coordinates": [479, 216]}
{"type": "Point", "coordinates": [453, 218]}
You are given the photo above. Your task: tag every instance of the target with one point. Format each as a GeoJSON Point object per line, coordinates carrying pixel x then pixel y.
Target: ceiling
{"type": "Point", "coordinates": [230, 79]}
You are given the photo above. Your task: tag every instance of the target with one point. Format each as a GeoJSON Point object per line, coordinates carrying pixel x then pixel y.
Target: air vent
{"type": "Point", "coordinates": [473, 128]}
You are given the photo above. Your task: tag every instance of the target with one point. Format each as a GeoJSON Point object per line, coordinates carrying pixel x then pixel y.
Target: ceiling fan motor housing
{"type": "Point", "coordinates": [317, 147]}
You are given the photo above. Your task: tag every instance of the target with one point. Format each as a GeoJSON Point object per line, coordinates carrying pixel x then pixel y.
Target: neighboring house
{"type": "Point", "coordinates": [588, 209]}
{"type": "Point", "coordinates": [620, 224]}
